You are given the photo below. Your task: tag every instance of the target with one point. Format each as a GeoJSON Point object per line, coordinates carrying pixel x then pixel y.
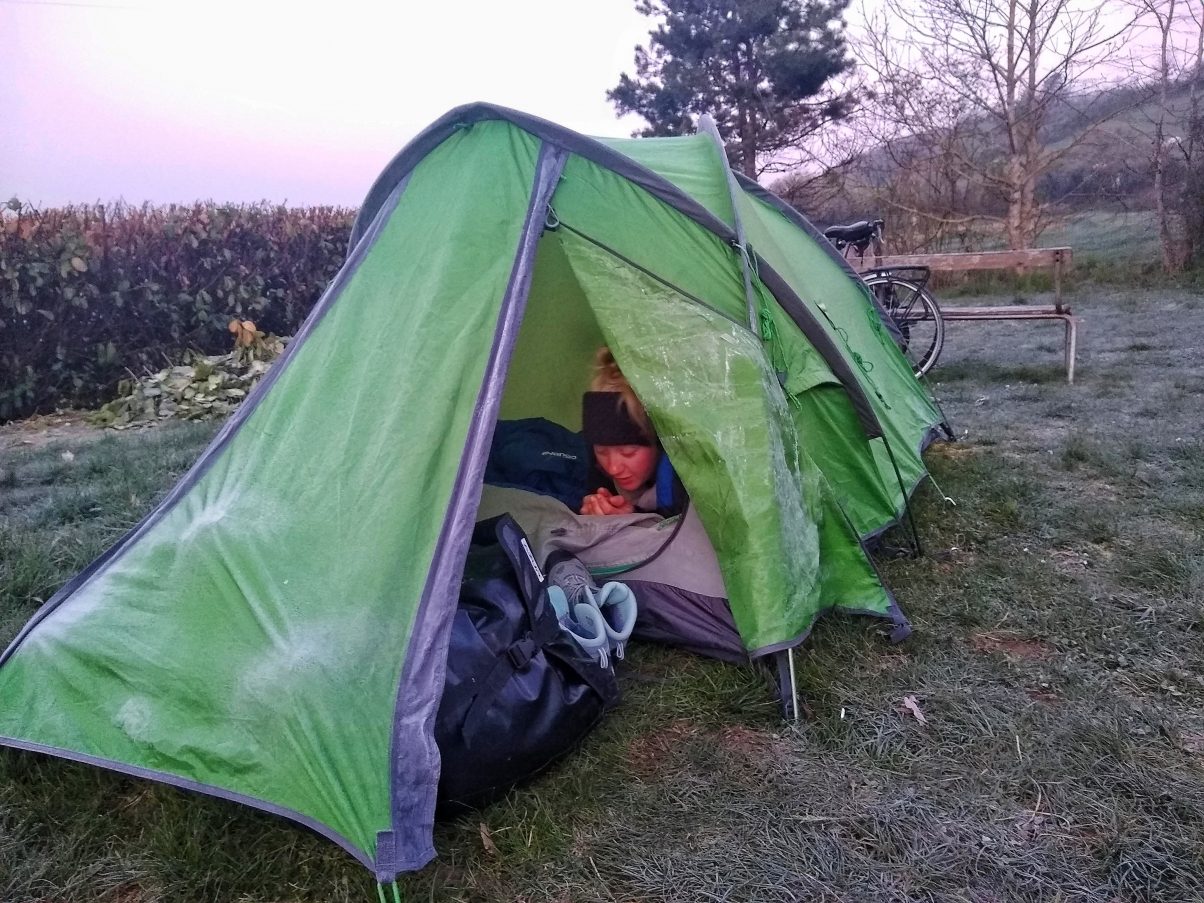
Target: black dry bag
{"type": "Point", "coordinates": [519, 692]}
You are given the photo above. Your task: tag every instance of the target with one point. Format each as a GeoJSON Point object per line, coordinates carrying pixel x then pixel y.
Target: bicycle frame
{"type": "Point", "coordinates": [895, 291]}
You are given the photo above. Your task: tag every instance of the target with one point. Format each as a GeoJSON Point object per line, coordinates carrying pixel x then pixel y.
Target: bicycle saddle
{"type": "Point", "coordinates": [850, 234]}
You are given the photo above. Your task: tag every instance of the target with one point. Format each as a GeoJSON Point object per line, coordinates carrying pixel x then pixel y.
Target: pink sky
{"type": "Point", "coordinates": [171, 100]}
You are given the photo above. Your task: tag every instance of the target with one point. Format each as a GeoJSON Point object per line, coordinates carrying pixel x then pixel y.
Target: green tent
{"type": "Point", "coordinates": [275, 631]}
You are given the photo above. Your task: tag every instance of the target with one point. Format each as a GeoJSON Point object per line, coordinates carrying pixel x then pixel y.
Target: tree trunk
{"type": "Point", "coordinates": [1014, 222]}
{"type": "Point", "coordinates": [1030, 116]}
{"type": "Point", "coordinates": [745, 117]}
{"type": "Point", "coordinates": [1171, 258]}
{"type": "Point", "coordinates": [748, 147]}
{"type": "Point", "coordinates": [1193, 238]}
{"type": "Point", "coordinates": [748, 142]}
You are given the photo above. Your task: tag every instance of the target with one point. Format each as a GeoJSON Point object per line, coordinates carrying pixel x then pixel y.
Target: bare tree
{"type": "Point", "coordinates": [1191, 146]}
{"type": "Point", "coordinates": [1163, 15]}
{"type": "Point", "coordinates": [1168, 58]}
{"type": "Point", "coordinates": [1162, 68]}
{"type": "Point", "coordinates": [817, 166]}
{"type": "Point", "coordinates": [982, 81]}
{"type": "Point", "coordinates": [926, 146]}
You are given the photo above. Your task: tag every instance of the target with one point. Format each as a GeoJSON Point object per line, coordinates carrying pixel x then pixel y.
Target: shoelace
{"type": "Point", "coordinates": [576, 586]}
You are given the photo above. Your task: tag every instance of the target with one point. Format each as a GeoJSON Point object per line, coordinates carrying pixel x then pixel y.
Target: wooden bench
{"type": "Point", "coordinates": [1056, 259]}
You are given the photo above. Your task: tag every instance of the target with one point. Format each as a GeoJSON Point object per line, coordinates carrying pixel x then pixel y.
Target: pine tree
{"type": "Point", "coordinates": [761, 68]}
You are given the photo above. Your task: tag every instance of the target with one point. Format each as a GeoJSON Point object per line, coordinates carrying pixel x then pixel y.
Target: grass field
{"type": "Point", "coordinates": [1116, 236]}
{"type": "Point", "coordinates": [1115, 247]}
{"type": "Point", "coordinates": [1058, 660]}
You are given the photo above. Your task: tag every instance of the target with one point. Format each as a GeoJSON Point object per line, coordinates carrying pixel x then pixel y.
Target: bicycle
{"type": "Point", "coordinates": [905, 304]}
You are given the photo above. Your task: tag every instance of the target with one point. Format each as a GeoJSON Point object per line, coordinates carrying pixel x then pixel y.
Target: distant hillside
{"type": "Point", "coordinates": [1106, 170]}
{"type": "Point", "coordinates": [1113, 163]}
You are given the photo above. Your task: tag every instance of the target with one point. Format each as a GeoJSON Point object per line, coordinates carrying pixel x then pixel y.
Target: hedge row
{"type": "Point", "coordinates": [89, 294]}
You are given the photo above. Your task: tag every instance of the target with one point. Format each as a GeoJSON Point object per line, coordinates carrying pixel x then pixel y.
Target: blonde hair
{"type": "Point", "coordinates": [609, 378]}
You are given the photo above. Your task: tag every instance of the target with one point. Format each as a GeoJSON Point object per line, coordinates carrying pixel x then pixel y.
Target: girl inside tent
{"type": "Point", "coordinates": [630, 470]}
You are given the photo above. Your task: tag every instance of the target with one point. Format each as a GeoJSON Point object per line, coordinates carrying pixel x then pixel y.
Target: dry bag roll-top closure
{"type": "Point", "coordinates": [519, 692]}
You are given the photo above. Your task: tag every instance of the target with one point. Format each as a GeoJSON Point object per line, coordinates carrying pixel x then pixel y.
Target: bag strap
{"type": "Point", "coordinates": [600, 680]}
{"type": "Point", "coordinates": [532, 582]}
{"type": "Point", "coordinates": [532, 588]}
{"type": "Point", "coordinates": [507, 665]}
{"type": "Point", "coordinates": [545, 629]}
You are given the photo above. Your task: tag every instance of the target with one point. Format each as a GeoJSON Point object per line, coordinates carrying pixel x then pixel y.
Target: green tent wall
{"type": "Point", "coordinates": [275, 631]}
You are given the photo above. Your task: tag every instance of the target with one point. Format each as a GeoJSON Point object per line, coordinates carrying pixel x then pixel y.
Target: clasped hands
{"type": "Point", "coordinates": [605, 502]}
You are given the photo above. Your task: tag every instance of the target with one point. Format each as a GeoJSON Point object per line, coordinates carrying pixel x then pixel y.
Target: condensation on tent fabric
{"type": "Point", "coordinates": [303, 656]}
{"type": "Point", "coordinates": [219, 539]}
{"type": "Point", "coordinates": [206, 517]}
{"type": "Point", "coordinates": [135, 718]}
{"type": "Point", "coordinates": [722, 418]}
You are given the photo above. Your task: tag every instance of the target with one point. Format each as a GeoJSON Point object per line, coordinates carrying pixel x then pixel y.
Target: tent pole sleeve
{"type": "Point", "coordinates": [414, 756]}
{"type": "Point", "coordinates": [707, 124]}
{"type": "Point", "coordinates": [787, 683]}
{"type": "Point", "coordinates": [793, 686]}
{"type": "Point", "coordinates": [786, 297]}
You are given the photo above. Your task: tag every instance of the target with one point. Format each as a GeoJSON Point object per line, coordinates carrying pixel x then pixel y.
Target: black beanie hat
{"type": "Point", "coordinates": [605, 421]}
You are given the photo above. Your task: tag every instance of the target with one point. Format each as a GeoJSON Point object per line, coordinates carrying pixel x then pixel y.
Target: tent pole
{"type": "Point", "coordinates": [793, 686]}
{"type": "Point", "coordinates": [707, 124]}
{"type": "Point", "coordinates": [787, 684]}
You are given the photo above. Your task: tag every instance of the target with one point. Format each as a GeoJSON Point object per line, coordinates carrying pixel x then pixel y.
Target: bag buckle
{"type": "Point", "coordinates": [521, 652]}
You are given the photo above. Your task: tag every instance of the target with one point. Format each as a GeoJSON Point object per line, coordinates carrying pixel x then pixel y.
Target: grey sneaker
{"type": "Point", "coordinates": [569, 573]}
{"type": "Point", "coordinates": [614, 601]}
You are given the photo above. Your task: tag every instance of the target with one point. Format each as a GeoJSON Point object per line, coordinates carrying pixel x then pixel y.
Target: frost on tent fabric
{"type": "Point", "coordinates": [275, 630]}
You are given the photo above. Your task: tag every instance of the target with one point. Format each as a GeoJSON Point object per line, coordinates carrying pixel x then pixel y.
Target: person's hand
{"type": "Point", "coordinates": [603, 502]}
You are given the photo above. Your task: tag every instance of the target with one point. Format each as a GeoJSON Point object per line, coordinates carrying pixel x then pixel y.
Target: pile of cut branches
{"type": "Point", "coordinates": [207, 388]}
{"type": "Point", "coordinates": [91, 293]}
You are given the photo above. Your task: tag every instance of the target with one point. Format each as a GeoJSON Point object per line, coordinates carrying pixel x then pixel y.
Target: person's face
{"type": "Point", "coordinates": [630, 466]}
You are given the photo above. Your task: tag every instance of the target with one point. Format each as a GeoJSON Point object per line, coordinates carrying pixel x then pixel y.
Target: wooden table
{"type": "Point", "coordinates": [1056, 259]}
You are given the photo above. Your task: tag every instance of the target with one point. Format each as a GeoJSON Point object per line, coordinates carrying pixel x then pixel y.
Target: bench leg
{"type": "Point", "coordinates": [1071, 342]}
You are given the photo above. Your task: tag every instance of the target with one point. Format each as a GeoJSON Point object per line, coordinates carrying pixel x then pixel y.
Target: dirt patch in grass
{"type": "Point", "coordinates": [745, 741]}
{"type": "Point", "coordinates": [133, 893]}
{"type": "Point", "coordinates": [649, 753]}
{"type": "Point", "coordinates": [1070, 561]}
{"type": "Point", "coordinates": [1011, 645]}
{"type": "Point", "coordinates": [44, 429]}
{"type": "Point", "coordinates": [952, 451]}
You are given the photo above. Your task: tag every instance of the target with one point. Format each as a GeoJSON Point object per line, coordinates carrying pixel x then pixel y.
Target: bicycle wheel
{"type": "Point", "coordinates": [916, 318]}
